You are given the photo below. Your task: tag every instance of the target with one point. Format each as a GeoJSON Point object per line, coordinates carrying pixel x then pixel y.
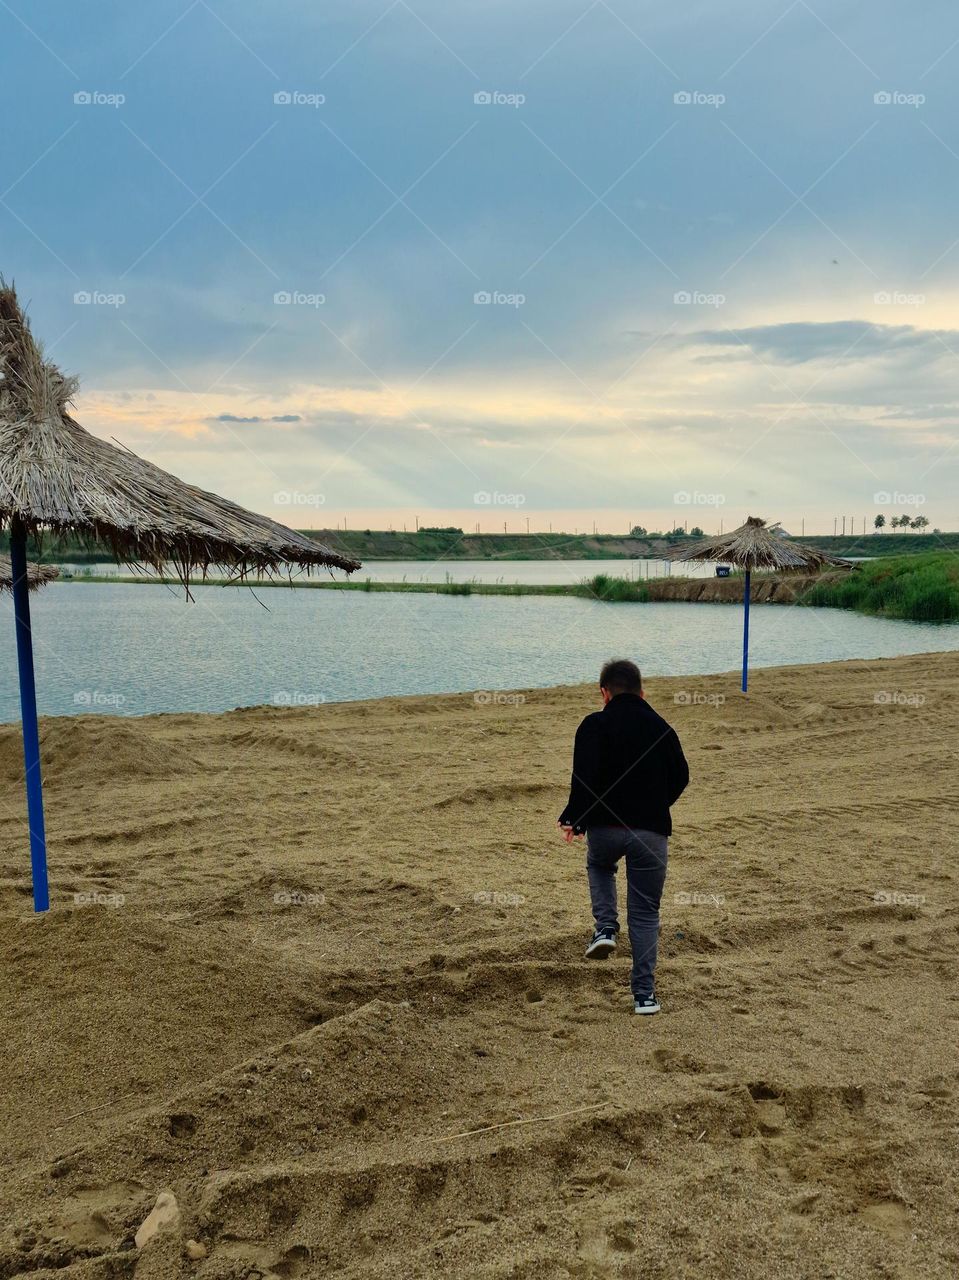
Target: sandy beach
{"type": "Point", "coordinates": [319, 973]}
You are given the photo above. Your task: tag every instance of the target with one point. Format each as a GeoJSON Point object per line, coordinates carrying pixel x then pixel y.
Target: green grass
{"type": "Point", "coordinates": [923, 588]}
{"type": "Point", "coordinates": [617, 590]}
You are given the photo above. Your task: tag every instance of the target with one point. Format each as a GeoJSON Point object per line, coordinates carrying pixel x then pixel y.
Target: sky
{"type": "Point", "coordinates": [562, 262]}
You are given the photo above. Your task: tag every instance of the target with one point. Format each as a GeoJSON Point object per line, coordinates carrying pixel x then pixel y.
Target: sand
{"type": "Point", "coordinates": [295, 952]}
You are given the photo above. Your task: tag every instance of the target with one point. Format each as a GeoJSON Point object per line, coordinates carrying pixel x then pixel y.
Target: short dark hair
{"type": "Point", "coordinates": [619, 675]}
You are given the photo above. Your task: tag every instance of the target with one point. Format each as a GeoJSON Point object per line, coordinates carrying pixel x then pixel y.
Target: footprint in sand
{"type": "Point", "coordinates": [891, 1217]}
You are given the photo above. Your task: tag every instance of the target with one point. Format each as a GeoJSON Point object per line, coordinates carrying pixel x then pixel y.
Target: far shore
{"type": "Point", "coordinates": [911, 588]}
{"type": "Point", "coordinates": [765, 588]}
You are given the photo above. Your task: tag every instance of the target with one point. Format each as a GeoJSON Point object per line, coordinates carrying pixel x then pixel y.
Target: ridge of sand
{"type": "Point", "coordinates": [294, 954]}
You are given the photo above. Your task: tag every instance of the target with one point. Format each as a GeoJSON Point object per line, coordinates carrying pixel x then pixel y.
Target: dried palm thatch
{"type": "Point", "coordinates": [56, 476]}
{"type": "Point", "coordinates": [38, 575]}
{"type": "Point", "coordinates": [756, 545]}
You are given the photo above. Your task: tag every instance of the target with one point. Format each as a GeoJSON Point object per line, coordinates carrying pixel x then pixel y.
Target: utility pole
{"type": "Point", "coordinates": [527, 526]}
{"type": "Point", "coordinates": [803, 534]}
{"type": "Point", "coordinates": [834, 523]}
{"type": "Point", "coordinates": [417, 524]}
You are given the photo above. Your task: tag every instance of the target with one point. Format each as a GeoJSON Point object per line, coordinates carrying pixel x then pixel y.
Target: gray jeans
{"type": "Point", "coordinates": [645, 854]}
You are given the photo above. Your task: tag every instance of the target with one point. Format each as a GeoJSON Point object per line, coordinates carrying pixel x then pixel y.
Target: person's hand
{"type": "Point", "coordinates": [568, 835]}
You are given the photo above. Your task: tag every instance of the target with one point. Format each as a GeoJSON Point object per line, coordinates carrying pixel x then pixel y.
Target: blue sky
{"type": "Point", "coordinates": [743, 301]}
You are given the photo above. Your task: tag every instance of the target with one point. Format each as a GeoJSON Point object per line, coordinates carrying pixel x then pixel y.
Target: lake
{"type": "Point", "coordinates": [131, 650]}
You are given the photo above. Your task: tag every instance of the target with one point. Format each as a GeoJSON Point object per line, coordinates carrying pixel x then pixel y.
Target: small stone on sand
{"type": "Point", "coordinates": [165, 1213]}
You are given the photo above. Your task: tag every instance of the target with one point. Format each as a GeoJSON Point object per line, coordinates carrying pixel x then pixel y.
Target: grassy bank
{"type": "Point", "coordinates": [454, 545]}
{"type": "Point", "coordinates": [598, 588]}
{"type": "Point", "coordinates": [442, 545]}
{"type": "Point", "coordinates": [918, 588]}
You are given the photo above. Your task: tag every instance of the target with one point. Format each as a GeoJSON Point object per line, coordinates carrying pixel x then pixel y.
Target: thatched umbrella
{"type": "Point", "coordinates": [757, 545]}
{"type": "Point", "coordinates": [55, 476]}
{"type": "Point", "coordinates": [38, 575]}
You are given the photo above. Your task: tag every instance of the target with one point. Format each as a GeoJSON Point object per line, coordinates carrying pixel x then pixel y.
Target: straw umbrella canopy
{"type": "Point", "coordinates": [56, 476]}
{"type": "Point", "coordinates": [38, 575]}
{"type": "Point", "coordinates": [757, 545]}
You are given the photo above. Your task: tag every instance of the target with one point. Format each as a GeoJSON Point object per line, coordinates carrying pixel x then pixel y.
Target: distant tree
{"type": "Point", "coordinates": [637, 531]}
{"type": "Point", "coordinates": [678, 532]}
{"type": "Point", "coordinates": [920, 522]}
{"type": "Point", "coordinates": [896, 521]}
{"type": "Point", "coordinates": [696, 532]}
{"type": "Point", "coordinates": [880, 521]}
{"type": "Point", "coordinates": [937, 531]}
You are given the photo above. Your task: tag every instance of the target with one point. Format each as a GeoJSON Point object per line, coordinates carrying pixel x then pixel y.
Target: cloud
{"type": "Point", "coordinates": [279, 417]}
{"type": "Point", "coordinates": [849, 341]}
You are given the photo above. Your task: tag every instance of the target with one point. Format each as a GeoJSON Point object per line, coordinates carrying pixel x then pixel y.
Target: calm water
{"type": "Point", "coordinates": [131, 650]}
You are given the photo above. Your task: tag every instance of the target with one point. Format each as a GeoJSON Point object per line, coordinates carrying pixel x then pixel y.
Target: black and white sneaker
{"type": "Point", "coordinates": [603, 944]}
{"type": "Point", "coordinates": [646, 1004]}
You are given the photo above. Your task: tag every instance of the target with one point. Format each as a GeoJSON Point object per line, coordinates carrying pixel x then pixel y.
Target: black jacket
{"type": "Point", "coordinates": [628, 768]}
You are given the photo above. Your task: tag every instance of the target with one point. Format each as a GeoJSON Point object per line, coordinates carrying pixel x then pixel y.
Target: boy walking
{"type": "Point", "coordinates": [628, 769]}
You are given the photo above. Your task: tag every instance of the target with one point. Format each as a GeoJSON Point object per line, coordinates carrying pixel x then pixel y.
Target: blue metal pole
{"type": "Point", "coordinates": [746, 632]}
{"type": "Point", "coordinates": [28, 716]}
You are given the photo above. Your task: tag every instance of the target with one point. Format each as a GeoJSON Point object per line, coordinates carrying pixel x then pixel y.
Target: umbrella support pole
{"type": "Point", "coordinates": [746, 633]}
{"type": "Point", "coordinates": [28, 716]}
